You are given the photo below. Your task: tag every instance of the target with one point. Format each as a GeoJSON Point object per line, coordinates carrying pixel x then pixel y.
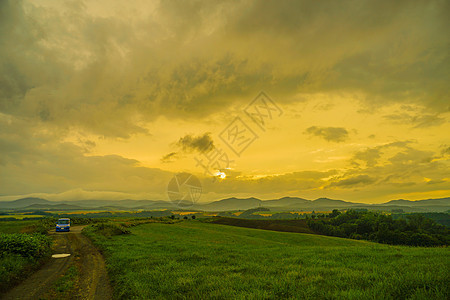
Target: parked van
{"type": "Point", "coordinates": [63, 224]}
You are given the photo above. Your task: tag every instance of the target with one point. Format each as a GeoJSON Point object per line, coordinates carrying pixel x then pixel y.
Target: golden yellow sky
{"type": "Point", "coordinates": [109, 99]}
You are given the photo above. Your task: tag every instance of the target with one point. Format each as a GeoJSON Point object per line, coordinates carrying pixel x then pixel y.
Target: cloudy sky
{"type": "Point", "coordinates": [340, 99]}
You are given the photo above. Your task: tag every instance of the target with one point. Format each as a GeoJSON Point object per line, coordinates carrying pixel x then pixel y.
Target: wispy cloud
{"type": "Point", "coordinates": [354, 181]}
{"type": "Point", "coordinates": [419, 120]}
{"type": "Point", "coordinates": [170, 157]}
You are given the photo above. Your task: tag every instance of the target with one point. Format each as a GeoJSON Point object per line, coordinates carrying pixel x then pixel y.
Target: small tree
{"type": "Point", "coordinates": [334, 213]}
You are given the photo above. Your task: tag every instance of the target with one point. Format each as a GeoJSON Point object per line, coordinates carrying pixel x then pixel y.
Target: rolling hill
{"type": "Point", "coordinates": [230, 204]}
{"type": "Point", "coordinates": [24, 202]}
{"type": "Point", "coordinates": [196, 260]}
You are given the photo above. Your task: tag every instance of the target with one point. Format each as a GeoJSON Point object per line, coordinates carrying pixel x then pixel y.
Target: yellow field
{"type": "Point", "coordinates": [183, 213]}
{"type": "Point", "coordinates": [310, 212]}
{"type": "Point", "coordinates": [206, 214]}
{"type": "Point", "coordinates": [20, 216]}
{"type": "Point", "coordinates": [86, 212]}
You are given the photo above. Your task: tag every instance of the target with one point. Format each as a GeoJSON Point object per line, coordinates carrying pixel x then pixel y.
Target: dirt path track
{"type": "Point", "coordinates": [92, 283]}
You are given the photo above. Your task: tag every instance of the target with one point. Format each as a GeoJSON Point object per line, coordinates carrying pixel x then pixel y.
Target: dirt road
{"type": "Point", "coordinates": [91, 280]}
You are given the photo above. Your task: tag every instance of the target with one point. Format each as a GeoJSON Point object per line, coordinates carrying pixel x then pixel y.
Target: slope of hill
{"type": "Point", "coordinates": [327, 201]}
{"type": "Point", "coordinates": [299, 226]}
{"type": "Point", "coordinates": [19, 203]}
{"type": "Point", "coordinates": [197, 260]}
{"type": "Point", "coordinates": [57, 206]}
{"type": "Point", "coordinates": [285, 201]}
{"type": "Point", "coordinates": [426, 202]}
{"type": "Point", "coordinates": [231, 204]}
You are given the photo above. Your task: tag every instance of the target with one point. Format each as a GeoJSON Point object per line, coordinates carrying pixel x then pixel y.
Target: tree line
{"type": "Point", "coordinates": [415, 230]}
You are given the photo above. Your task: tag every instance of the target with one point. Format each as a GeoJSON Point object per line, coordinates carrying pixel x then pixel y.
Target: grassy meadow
{"type": "Point", "coordinates": [195, 260]}
{"type": "Point", "coordinates": [15, 226]}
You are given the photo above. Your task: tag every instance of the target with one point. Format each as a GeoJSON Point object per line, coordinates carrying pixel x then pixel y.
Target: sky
{"type": "Point", "coordinates": [339, 99]}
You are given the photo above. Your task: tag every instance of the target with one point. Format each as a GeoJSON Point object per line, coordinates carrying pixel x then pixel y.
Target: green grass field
{"type": "Point", "coordinates": [194, 260]}
{"type": "Point", "coordinates": [14, 226]}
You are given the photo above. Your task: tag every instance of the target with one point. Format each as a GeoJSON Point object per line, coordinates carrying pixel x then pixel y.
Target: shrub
{"type": "Point", "coordinates": [26, 245]}
{"type": "Point", "coordinates": [20, 253]}
{"type": "Point", "coordinates": [109, 229]}
{"type": "Point", "coordinates": [12, 269]}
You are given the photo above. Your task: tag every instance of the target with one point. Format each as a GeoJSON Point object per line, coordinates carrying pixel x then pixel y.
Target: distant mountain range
{"type": "Point", "coordinates": [325, 204]}
{"type": "Point", "coordinates": [282, 204]}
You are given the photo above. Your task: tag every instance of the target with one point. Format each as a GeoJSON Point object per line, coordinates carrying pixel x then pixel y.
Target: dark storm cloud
{"type": "Point", "coordinates": [202, 143]}
{"type": "Point", "coordinates": [389, 51]}
{"type": "Point", "coordinates": [18, 33]}
{"type": "Point", "coordinates": [331, 134]}
{"type": "Point", "coordinates": [188, 144]}
{"type": "Point", "coordinates": [74, 67]}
